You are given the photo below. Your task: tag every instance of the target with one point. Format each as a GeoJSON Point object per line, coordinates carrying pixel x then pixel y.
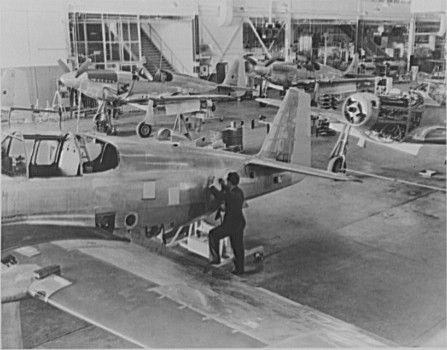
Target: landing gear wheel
{"type": "Point", "coordinates": [258, 258]}
{"type": "Point", "coordinates": [337, 165]}
{"type": "Point", "coordinates": [144, 130]}
{"type": "Point", "coordinates": [262, 104]}
{"type": "Point", "coordinates": [164, 134]}
{"type": "Point", "coordinates": [111, 130]}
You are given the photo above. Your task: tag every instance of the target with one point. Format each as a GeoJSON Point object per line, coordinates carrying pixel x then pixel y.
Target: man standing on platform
{"type": "Point", "coordinates": [233, 223]}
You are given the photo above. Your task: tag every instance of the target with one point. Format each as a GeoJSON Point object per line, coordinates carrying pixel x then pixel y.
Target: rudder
{"type": "Point", "coordinates": [8, 88]}
{"type": "Point", "coordinates": [289, 137]}
{"type": "Point", "coordinates": [236, 76]}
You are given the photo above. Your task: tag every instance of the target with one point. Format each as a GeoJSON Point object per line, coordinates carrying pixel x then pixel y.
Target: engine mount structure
{"type": "Point", "coordinates": [388, 118]}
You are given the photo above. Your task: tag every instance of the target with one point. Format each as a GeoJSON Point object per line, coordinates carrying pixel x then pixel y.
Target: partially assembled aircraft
{"type": "Point", "coordinates": [113, 89]}
{"type": "Point", "coordinates": [391, 121]}
{"type": "Point", "coordinates": [97, 167]}
{"type": "Point", "coordinates": [394, 122]}
{"type": "Point", "coordinates": [315, 78]}
{"type": "Point", "coordinates": [138, 191]}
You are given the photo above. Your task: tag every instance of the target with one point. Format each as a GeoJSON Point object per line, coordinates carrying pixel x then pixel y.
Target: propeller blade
{"type": "Point", "coordinates": [83, 67]}
{"type": "Point", "coordinates": [157, 75]}
{"type": "Point", "coordinates": [64, 66]}
{"type": "Point", "coordinates": [71, 102]}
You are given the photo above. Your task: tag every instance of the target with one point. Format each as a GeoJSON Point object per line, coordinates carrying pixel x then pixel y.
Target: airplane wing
{"type": "Point", "coordinates": [162, 100]}
{"type": "Point", "coordinates": [344, 85]}
{"type": "Point", "coordinates": [331, 115]}
{"type": "Point", "coordinates": [156, 302]}
{"type": "Point", "coordinates": [299, 169]}
{"type": "Point", "coordinates": [405, 147]}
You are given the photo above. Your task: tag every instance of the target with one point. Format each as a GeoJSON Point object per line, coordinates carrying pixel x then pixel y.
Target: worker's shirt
{"type": "Point", "coordinates": [234, 201]}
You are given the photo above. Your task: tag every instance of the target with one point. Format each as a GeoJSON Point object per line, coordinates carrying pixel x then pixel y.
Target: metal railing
{"type": "Point", "coordinates": [164, 49]}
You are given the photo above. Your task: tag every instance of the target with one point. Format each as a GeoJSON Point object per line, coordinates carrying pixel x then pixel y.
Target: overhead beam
{"type": "Point", "coordinates": [258, 37]}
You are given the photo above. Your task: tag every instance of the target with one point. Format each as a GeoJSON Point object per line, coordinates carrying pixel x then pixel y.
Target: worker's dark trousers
{"type": "Point", "coordinates": [237, 244]}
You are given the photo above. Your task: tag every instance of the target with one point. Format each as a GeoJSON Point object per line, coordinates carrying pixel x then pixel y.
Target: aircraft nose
{"type": "Point", "coordinates": [68, 80]}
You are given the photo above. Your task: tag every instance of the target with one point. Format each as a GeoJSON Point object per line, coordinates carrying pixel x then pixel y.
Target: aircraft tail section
{"type": "Point", "coordinates": [353, 67]}
{"type": "Point", "coordinates": [8, 88]}
{"type": "Point", "coordinates": [289, 138]}
{"type": "Point", "coordinates": [287, 146]}
{"type": "Point", "coordinates": [236, 77]}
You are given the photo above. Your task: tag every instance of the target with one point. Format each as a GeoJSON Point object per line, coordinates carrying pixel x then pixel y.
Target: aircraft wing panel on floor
{"type": "Point", "coordinates": [153, 301]}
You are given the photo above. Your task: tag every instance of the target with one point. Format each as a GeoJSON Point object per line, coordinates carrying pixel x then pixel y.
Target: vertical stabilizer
{"type": "Point", "coordinates": [15, 89]}
{"type": "Point", "coordinates": [289, 137]}
{"type": "Point", "coordinates": [236, 76]}
{"type": "Point", "coordinates": [8, 88]}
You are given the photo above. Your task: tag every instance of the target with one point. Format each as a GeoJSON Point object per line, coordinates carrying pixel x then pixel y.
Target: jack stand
{"type": "Point", "coordinates": [181, 127]}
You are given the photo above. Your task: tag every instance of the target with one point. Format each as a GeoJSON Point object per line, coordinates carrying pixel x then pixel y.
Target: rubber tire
{"type": "Point", "coordinates": [144, 130]}
{"type": "Point", "coordinates": [164, 134]}
{"type": "Point", "coordinates": [258, 258]}
{"type": "Point", "coordinates": [111, 130]}
{"type": "Point", "coordinates": [337, 165]}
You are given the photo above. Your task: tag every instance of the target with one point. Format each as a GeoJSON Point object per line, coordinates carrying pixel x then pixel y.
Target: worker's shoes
{"type": "Point", "coordinates": [237, 273]}
{"type": "Point", "coordinates": [214, 262]}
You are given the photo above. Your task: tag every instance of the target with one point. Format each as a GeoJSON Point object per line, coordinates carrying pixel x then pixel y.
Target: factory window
{"type": "Point", "coordinates": [105, 38]}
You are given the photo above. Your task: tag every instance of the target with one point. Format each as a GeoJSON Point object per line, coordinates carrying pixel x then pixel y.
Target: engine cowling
{"type": "Point", "coordinates": [361, 110]}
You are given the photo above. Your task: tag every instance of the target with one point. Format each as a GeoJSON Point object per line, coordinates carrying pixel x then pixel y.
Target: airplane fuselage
{"type": "Point", "coordinates": [111, 86]}
{"type": "Point", "coordinates": [283, 74]}
{"type": "Point", "coordinates": [153, 186]}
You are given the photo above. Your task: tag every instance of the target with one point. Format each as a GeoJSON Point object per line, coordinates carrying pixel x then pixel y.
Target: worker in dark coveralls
{"type": "Point", "coordinates": [233, 223]}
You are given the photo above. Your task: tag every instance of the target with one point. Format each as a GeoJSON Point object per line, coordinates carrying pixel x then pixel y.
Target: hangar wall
{"type": "Point", "coordinates": [221, 28]}
{"type": "Point", "coordinates": [33, 53]}
{"type": "Point", "coordinates": [35, 34]}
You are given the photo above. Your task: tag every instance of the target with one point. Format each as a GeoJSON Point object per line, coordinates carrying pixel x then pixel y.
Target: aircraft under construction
{"type": "Point", "coordinates": [139, 191]}
{"type": "Point", "coordinates": [315, 78]}
{"type": "Point", "coordinates": [95, 168]}
{"type": "Point", "coordinates": [113, 89]}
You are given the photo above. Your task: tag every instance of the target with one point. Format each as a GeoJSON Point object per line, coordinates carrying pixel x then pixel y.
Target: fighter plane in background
{"type": "Point", "coordinates": [138, 191]}
{"type": "Point", "coordinates": [394, 122]}
{"type": "Point", "coordinates": [317, 79]}
{"type": "Point", "coordinates": [113, 89]}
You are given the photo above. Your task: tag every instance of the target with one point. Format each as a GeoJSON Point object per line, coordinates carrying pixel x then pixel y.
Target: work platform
{"type": "Point", "coordinates": [194, 238]}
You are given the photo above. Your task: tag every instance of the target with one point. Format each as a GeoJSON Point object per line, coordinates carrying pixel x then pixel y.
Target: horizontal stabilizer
{"type": "Point", "coordinates": [299, 169]}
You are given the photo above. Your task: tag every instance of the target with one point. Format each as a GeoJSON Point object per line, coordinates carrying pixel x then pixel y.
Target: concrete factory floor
{"type": "Point", "coordinates": [372, 254]}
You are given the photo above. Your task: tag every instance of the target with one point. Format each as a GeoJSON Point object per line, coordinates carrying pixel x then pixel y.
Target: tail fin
{"type": "Point", "coordinates": [354, 66]}
{"type": "Point", "coordinates": [289, 138]}
{"type": "Point", "coordinates": [236, 76]}
{"type": "Point", "coordinates": [8, 88]}
{"type": "Point", "coordinates": [15, 89]}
